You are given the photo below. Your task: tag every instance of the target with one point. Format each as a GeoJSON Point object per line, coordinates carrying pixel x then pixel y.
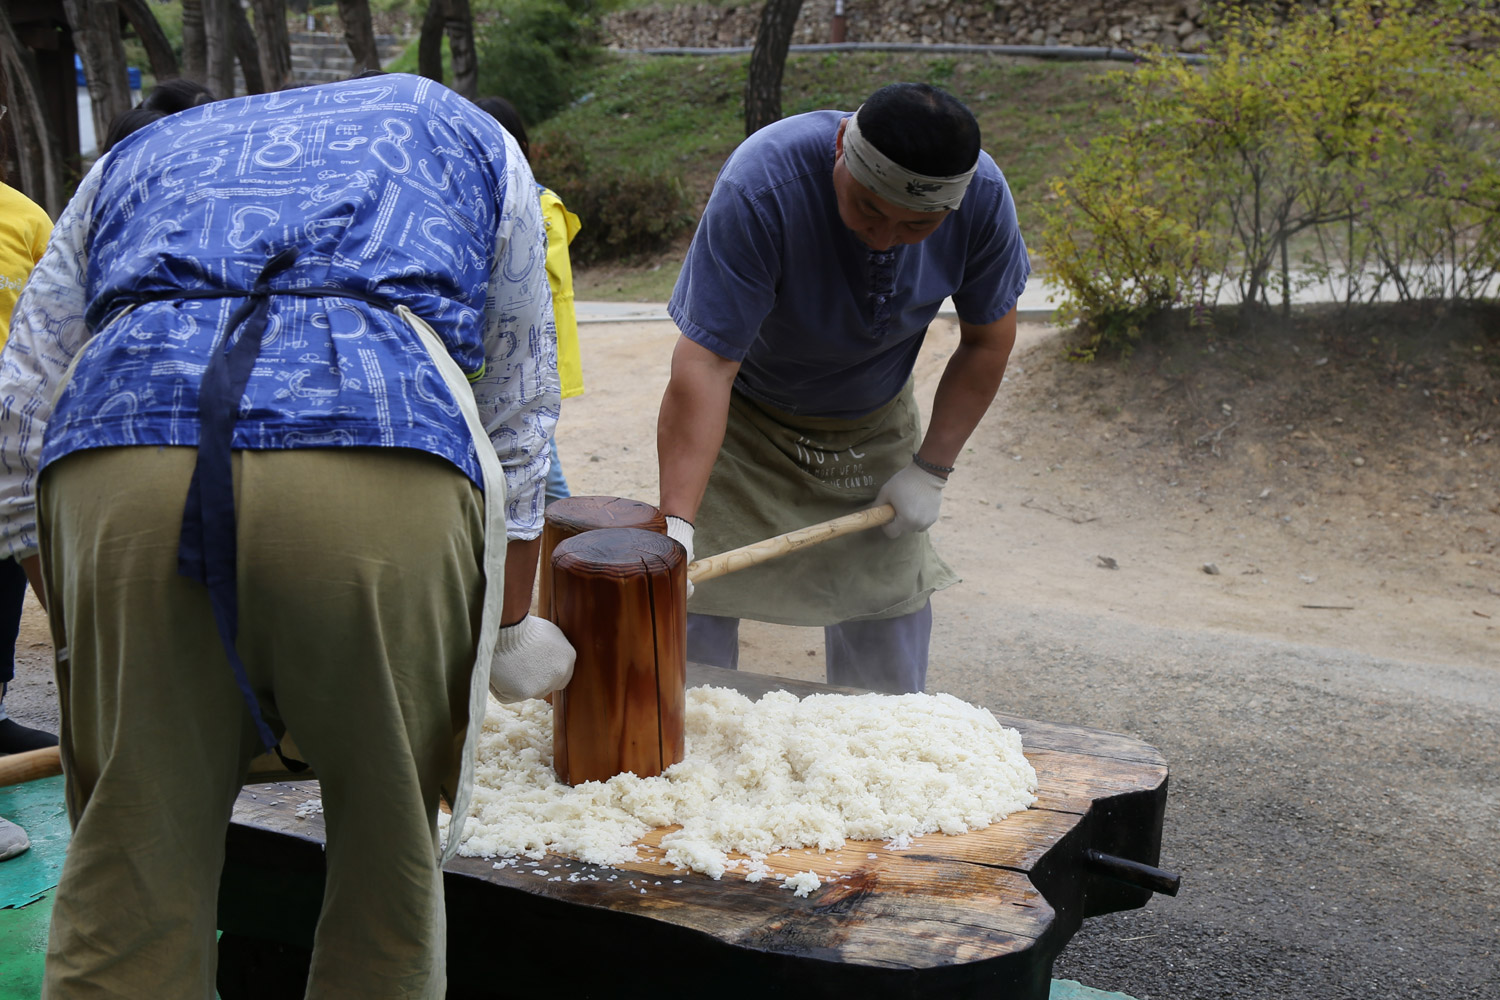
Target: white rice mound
{"type": "Point", "coordinates": [758, 777]}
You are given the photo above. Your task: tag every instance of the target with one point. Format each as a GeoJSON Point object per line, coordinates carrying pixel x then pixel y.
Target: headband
{"type": "Point", "coordinates": [889, 180]}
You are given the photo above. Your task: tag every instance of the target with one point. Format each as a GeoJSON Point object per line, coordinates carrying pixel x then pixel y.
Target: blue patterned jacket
{"type": "Point", "coordinates": [391, 187]}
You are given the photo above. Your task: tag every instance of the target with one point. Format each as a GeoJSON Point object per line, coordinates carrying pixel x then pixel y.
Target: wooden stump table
{"type": "Point", "coordinates": [978, 915]}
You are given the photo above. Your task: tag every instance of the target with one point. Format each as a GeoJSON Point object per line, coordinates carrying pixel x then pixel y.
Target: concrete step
{"type": "Point", "coordinates": [323, 57]}
{"type": "Point", "coordinates": [334, 38]}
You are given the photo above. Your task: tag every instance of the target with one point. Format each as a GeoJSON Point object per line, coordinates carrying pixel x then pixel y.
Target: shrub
{"type": "Point", "coordinates": [1358, 142]}
{"type": "Point", "coordinates": [624, 212]}
{"type": "Point", "coordinates": [531, 50]}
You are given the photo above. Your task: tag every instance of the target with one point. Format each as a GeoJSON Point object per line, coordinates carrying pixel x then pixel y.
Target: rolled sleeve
{"type": "Point", "coordinates": [47, 332]}
{"type": "Point", "coordinates": [728, 283]}
{"type": "Point", "coordinates": [518, 393]}
{"type": "Point", "coordinates": [997, 266]}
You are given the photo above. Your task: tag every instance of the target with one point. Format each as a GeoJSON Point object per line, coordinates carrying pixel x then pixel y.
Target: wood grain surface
{"type": "Point", "coordinates": [620, 596]}
{"type": "Point", "coordinates": [573, 516]}
{"type": "Point", "coordinates": [980, 914]}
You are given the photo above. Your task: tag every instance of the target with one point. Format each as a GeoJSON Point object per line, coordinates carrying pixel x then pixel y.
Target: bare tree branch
{"type": "Point", "coordinates": [194, 42]}
{"type": "Point", "coordinates": [158, 49]}
{"type": "Point", "coordinates": [275, 43]}
{"type": "Point", "coordinates": [359, 33]}
{"type": "Point", "coordinates": [96, 34]}
{"type": "Point", "coordinates": [460, 27]}
{"type": "Point", "coordinates": [767, 61]}
{"type": "Point", "coordinates": [39, 150]}
{"type": "Point", "coordinates": [246, 49]}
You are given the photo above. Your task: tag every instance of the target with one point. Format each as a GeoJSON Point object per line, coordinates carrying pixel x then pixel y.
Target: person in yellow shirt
{"type": "Point", "coordinates": [562, 226]}
{"type": "Point", "coordinates": [24, 228]}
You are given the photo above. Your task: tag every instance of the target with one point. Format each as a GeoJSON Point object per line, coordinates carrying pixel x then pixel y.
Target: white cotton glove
{"type": "Point", "coordinates": [916, 494]}
{"type": "Point", "coordinates": [532, 658]}
{"type": "Point", "coordinates": [681, 531]}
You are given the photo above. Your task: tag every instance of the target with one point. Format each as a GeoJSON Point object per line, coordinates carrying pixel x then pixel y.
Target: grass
{"type": "Point", "coordinates": [683, 115]}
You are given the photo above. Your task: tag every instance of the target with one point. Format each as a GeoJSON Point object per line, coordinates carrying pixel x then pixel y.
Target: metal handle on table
{"type": "Point", "coordinates": [1142, 876]}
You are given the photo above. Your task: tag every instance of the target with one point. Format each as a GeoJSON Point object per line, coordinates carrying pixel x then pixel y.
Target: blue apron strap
{"type": "Point", "coordinates": [206, 550]}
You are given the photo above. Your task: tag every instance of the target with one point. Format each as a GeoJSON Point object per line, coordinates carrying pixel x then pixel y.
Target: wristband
{"type": "Point", "coordinates": [932, 467]}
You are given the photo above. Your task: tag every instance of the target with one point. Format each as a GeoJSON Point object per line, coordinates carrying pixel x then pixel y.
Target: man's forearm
{"type": "Point", "coordinates": [690, 427]}
{"type": "Point", "coordinates": [33, 568]}
{"type": "Point", "coordinates": [964, 394]}
{"type": "Point", "coordinates": [520, 574]}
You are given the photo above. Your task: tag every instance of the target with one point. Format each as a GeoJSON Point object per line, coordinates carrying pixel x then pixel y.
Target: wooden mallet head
{"type": "Point", "coordinates": [620, 596]}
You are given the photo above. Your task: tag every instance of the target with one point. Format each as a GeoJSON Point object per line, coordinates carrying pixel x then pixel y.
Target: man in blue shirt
{"type": "Point", "coordinates": [829, 243]}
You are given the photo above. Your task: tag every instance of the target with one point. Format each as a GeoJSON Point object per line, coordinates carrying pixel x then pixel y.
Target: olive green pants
{"type": "Point", "coordinates": [360, 587]}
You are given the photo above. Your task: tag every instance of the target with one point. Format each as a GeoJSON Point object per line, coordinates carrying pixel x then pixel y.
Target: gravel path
{"type": "Point", "coordinates": [1334, 816]}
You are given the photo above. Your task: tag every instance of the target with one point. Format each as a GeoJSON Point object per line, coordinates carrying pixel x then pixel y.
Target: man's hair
{"type": "Point", "coordinates": [177, 94]}
{"type": "Point", "coordinates": [128, 122]}
{"type": "Point", "coordinates": [924, 129]}
{"type": "Point", "coordinates": [509, 118]}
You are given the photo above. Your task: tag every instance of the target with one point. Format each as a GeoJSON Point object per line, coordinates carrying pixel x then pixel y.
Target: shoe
{"type": "Point", "coordinates": [16, 738]}
{"type": "Point", "coordinates": [13, 840]}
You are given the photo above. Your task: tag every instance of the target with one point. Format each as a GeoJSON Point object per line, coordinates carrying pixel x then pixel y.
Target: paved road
{"type": "Point", "coordinates": [1335, 817]}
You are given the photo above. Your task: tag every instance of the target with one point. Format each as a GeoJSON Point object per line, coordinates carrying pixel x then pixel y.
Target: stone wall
{"type": "Point", "coordinates": [1134, 24]}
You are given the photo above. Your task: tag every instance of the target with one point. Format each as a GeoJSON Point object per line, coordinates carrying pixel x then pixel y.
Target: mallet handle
{"type": "Point", "coordinates": [779, 545]}
{"type": "Point", "coordinates": [29, 766]}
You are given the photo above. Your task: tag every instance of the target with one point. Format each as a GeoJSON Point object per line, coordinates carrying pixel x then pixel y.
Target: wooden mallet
{"type": "Point", "coordinates": [620, 596]}
{"type": "Point", "coordinates": [30, 765]}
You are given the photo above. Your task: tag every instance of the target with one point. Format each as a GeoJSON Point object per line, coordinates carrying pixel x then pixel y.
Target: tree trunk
{"type": "Point", "coordinates": [430, 44]}
{"type": "Point", "coordinates": [158, 49]}
{"type": "Point", "coordinates": [194, 42]}
{"type": "Point", "coordinates": [39, 151]}
{"type": "Point", "coordinates": [246, 51]}
{"type": "Point", "coordinates": [275, 43]}
{"type": "Point", "coordinates": [218, 32]}
{"type": "Point", "coordinates": [461, 46]}
{"type": "Point", "coordinates": [359, 33]}
{"type": "Point", "coordinates": [96, 34]}
{"type": "Point", "coordinates": [767, 60]}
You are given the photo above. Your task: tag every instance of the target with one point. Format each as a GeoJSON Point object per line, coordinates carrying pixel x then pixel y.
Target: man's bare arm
{"type": "Point", "coordinates": [968, 387]}
{"type": "Point", "coordinates": [690, 426]}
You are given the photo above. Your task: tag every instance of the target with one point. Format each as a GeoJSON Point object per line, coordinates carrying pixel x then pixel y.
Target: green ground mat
{"type": "Point", "coordinates": [1067, 989]}
{"type": "Point", "coordinates": [36, 807]}
{"type": "Point", "coordinates": [26, 899]}
{"type": "Point", "coordinates": [23, 946]}
{"type": "Point", "coordinates": [26, 883]}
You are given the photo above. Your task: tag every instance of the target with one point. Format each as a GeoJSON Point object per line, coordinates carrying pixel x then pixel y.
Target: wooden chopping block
{"type": "Point", "coordinates": [573, 516]}
{"type": "Point", "coordinates": [620, 596]}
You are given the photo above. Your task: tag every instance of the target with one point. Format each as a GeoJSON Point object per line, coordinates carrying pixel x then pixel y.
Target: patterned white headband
{"type": "Point", "coordinates": [889, 180]}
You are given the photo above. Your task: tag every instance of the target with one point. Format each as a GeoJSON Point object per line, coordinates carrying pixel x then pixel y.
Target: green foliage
{"type": "Point", "coordinates": [168, 15]}
{"type": "Point", "coordinates": [684, 115]}
{"type": "Point", "coordinates": [531, 52]}
{"type": "Point", "coordinates": [940, 71]}
{"type": "Point", "coordinates": [409, 61]}
{"type": "Point", "coordinates": [626, 212]}
{"type": "Point", "coordinates": [1354, 145]}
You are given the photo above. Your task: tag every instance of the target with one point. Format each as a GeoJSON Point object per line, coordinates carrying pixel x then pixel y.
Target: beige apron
{"type": "Point", "coordinates": [494, 567]}
{"type": "Point", "coordinates": [777, 472]}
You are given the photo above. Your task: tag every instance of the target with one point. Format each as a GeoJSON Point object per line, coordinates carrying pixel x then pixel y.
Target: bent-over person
{"type": "Point", "coordinates": [278, 405]}
{"type": "Point", "coordinates": [828, 245]}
